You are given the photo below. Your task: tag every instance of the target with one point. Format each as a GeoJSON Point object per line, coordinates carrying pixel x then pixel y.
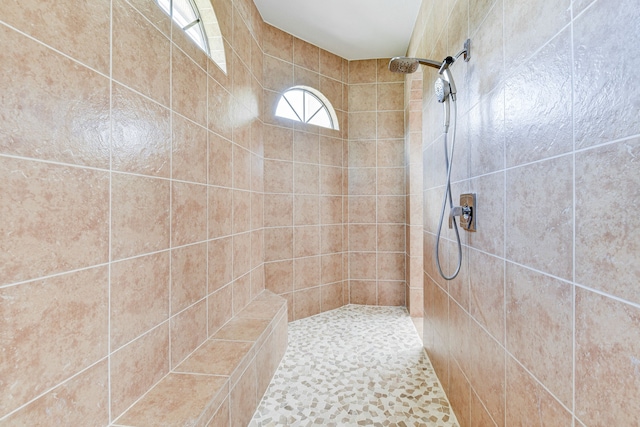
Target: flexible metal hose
{"type": "Point", "coordinates": [447, 195]}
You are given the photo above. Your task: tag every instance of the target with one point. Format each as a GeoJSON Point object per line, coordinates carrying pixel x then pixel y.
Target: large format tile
{"type": "Point", "coordinates": [81, 31]}
{"type": "Point", "coordinates": [189, 149]}
{"type": "Point", "coordinates": [605, 75]}
{"type": "Point", "coordinates": [486, 292]}
{"type": "Point", "coordinates": [538, 110]}
{"type": "Point", "coordinates": [216, 357]}
{"type": "Point", "coordinates": [54, 219]}
{"type": "Point", "coordinates": [188, 213]}
{"type": "Point", "coordinates": [51, 329]}
{"type": "Point", "coordinates": [81, 401]}
{"type": "Point", "coordinates": [139, 296]}
{"type": "Point", "coordinates": [539, 312]}
{"type": "Point", "coordinates": [242, 329]}
{"type": "Point", "coordinates": [528, 401]}
{"type": "Point", "coordinates": [144, 67]}
{"type": "Point", "coordinates": [540, 216]}
{"type": "Point", "coordinates": [139, 215]}
{"type": "Point", "coordinates": [486, 134]}
{"type": "Point", "coordinates": [188, 331]}
{"type": "Point", "coordinates": [163, 406]}
{"type": "Point", "coordinates": [136, 367]}
{"type": "Point", "coordinates": [607, 233]}
{"type": "Point", "coordinates": [188, 275]}
{"type": "Point", "coordinates": [141, 134]}
{"type": "Point", "coordinates": [487, 373]}
{"type": "Point", "coordinates": [607, 348]}
{"type": "Point", "coordinates": [529, 26]}
{"type": "Point", "coordinates": [52, 108]}
{"type": "Point", "coordinates": [189, 88]}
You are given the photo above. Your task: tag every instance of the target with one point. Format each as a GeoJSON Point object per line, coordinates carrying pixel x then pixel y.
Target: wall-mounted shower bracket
{"type": "Point", "coordinates": [467, 50]}
{"type": "Point", "coordinates": [466, 211]}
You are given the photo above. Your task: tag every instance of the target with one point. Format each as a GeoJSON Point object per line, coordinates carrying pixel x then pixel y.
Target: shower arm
{"type": "Point", "coordinates": [429, 62]}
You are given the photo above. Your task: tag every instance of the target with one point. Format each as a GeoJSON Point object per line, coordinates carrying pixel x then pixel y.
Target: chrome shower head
{"type": "Point", "coordinates": [402, 64]}
{"type": "Point", "coordinates": [442, 89]}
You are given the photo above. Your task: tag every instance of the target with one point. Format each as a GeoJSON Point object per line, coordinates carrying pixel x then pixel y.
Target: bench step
{"type": "Point", "coordinates": [223, 380]}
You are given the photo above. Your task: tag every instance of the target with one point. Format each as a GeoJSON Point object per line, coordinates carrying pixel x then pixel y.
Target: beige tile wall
{"type": "Point", "coordinates": [543, 324]}
{"type": "Point", "coordinates": [413, 178]}
{"type": "Point", "coordinates": [334, 201]}
{"type": "Point", "coordinates": [303, 178]}
{"type": "Point", "coordinates": [376, 184]}
{"type": "Point", "coordinates": [131, 203]}
{"type": "Point", "coordinates": [134, 201]}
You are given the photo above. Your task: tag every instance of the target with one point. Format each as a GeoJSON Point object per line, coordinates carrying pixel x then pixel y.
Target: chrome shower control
{"type": "Point", "coordinates": [468, 218]}
{"type": "Point", "coordinates": [466, 211]}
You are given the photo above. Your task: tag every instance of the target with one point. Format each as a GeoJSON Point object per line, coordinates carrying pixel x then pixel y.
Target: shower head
{"type": "Point", "coordinates": [442, 89]}
{"type": "Point", "coordinates": [402, 64]}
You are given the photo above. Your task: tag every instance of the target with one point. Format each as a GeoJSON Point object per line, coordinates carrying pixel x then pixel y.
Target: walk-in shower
{"type": "Point", "coordinates": [445, 90]}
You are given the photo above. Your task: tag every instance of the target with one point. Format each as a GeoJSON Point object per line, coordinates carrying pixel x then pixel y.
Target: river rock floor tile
{"type": "Point", "coordinates": [355, 366]}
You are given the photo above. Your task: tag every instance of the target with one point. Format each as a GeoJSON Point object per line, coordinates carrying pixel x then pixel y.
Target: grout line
{"type": "Point", "coordinates": [55, 162]}
{"type": "Point", "coordinates": [207, 209]}
{"type": "Point", "coordinates": [109, 169]}
{"type": "Point", "coordinates": [109, 349]}
{"type": "Point", "coordinates": [377, 296]}
{"type": "Point", "coordinates": [293, 208]}
{"type": "Point", "coordinates": [171, 184]}
{"type": "Point", "coordinates": [505, 212]}
{"type": "Point", "coordinates": [604, 294]}
{"type": "Point", "coordinates": [54, 275]}
{"type": "Point", "coordinates": [574, 293]}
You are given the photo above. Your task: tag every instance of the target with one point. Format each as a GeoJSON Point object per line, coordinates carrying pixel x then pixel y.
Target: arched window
{"type": "Point", "coordinates": [307, 105]}
{"type": "Point", "coordinates": [198, 20]}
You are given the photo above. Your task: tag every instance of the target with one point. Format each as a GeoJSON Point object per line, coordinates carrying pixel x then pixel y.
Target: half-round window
{"type": "Point", "coordinates": [198, 20]}
{"type": "Point", "coordinates": [307, 105]}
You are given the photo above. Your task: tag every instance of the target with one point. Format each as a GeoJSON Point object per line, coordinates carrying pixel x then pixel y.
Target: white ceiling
{"type": "Point", "coordinates": [352, 29]}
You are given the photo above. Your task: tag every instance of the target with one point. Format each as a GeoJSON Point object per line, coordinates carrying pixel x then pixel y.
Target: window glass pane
{"type": "Point", "coordinates": [165, 5]}
{"type": "Point", "coordinates": [183, 13]}
{"type": "Point", "coordinates": [296, 99]}
{"type": "Point", "coordinates": [195, 33]}
{"type": "Point", "coordinates": [284, 110]}
{"type": "Point", "coordinates": [212, 33]}
{"type": "Point", "coordinates": [198, 19]}
{"type": "Point", "coordinates": [321, 119]}
{"type": "Point", "coordinates": [312, 105]}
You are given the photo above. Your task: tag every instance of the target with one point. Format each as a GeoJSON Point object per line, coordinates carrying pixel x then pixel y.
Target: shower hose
{"type": "Point", "coordinates": [448, 158]}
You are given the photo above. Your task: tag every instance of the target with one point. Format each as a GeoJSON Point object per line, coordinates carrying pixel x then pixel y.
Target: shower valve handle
{"type": "Point", "coordinates": [465, 213]}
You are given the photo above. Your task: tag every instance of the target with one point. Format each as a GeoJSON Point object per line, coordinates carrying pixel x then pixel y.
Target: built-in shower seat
{"type": "Point", "coordinates": [222, 382]}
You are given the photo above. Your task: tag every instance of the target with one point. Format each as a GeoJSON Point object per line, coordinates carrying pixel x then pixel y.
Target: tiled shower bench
{"type": "Point", "coordinates": [222, 382]}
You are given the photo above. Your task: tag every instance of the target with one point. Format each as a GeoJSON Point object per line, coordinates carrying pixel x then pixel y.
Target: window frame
{"type": "Point", "coordinates": [325, 105]}
{"type": "Point", "coordinates": [202, 24]}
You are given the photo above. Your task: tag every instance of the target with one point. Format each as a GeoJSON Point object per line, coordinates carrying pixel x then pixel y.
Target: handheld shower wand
{"type": "Point", "coordinates": [445, 90]}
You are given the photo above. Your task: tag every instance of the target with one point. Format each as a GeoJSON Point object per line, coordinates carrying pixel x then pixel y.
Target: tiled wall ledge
{"type": "Point", "coordinates": [222, 382]}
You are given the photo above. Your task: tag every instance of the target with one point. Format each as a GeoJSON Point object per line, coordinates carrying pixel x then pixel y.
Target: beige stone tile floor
{"type": "Point", "coordinates": [355, 366]}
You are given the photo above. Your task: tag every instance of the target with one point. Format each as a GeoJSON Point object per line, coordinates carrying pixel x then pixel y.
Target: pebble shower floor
{"type": "Point", "coordinates": [355, 366]}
